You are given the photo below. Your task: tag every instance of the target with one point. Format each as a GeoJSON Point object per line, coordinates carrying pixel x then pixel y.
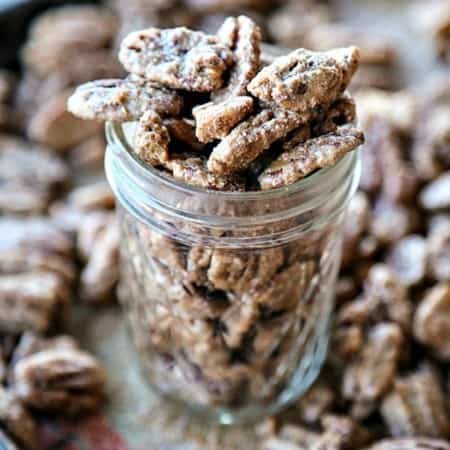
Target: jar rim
{"type": "Point", "coordinates": [115, 133]}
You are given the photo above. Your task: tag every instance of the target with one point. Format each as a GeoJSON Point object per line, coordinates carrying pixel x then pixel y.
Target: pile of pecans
{"type": "Point", "coordinates": [386, 383]}
{"type": "Point", "coordinates": [287, 118]}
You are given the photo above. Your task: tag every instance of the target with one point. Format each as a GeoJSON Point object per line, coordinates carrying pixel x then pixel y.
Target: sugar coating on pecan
{"type": "Point", "coordinates": [192, 170]}
{"type": "Point", "coordinates": [151, 141]}
{"type": "Point", "coordinates": [178, 58]}
{"type": "Point", "coordinates": [215, 120]}
{"type": "Point", "coordinates": [243, 36]}
{"type": "Point", "coordinates": [122, 100]}
{"type": "Point", "coordinates": [311, 155]}
{"type": "Point", "coordinates": [306, 81]}
{"type": "Point", "coordinates": [250, 139]}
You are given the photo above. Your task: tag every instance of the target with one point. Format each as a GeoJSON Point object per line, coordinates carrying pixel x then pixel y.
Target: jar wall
{"type": "Point", "coordinates": [235, 331]}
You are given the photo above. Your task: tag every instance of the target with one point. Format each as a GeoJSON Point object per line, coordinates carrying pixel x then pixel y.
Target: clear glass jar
{"type": "Point", "coordinates": [229, 295]}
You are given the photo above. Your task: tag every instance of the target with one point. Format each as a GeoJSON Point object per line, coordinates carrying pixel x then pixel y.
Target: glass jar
{"type": "Point", "coordinates": [229, 295]}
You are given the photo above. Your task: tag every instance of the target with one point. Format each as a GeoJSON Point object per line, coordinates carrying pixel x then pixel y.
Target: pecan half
{"type": "Point", "coordinates": [215, 120]}
{"type": "Point", "coordinates": [33, 301]}
{"type": "Point", "coordinates": [372, 373]}
{"type": "Point", "coordinates": [314, 154]}
{"type": "Point", "coordinates": [249, 140]}
{"type": "Point", "coordinates": [122, 100]}
{"type": "Point", "coordinates": [306, 81]}
{"type": "Point", "coordinates": [178, 58]}
{"type": "Point", "coordinates": [66, 381]}
{"type": "Point", "coordinates": [416, 406]}
{"type": "Point", "coordinates": [243, 36]}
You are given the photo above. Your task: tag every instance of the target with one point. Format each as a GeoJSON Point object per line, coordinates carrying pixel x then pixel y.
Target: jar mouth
{"type": "Point", "coordinates": [115, 133]}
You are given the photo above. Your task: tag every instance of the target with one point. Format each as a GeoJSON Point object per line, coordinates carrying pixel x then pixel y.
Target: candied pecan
{"type": "Point", "coordinates": [62, 33]}
{"type": "Point", "coordinates": [35, 245]}
{"type": "Point", "coordinates": [164, 250]}
{"type": "Point", "coordinates": [17, 421]}
{"type": "Point", "coordinates": [29, 170]}
{"type": "Point", "coordinates": [249, 140]}
{"type": "Point", "coordinates": [413, 443]}
{"type": "Point", "coordinates": [92, 196]}
{"type": "Point", "coordinates": [183, 130]}
{"type": "Point", "coordinates": [408, 259]}
{"type": "Point", "coordinates": [371, 374]}
{"type": "Point", "coordinates": [416, 406]}
{"type": "Point", "coordinates": [432, 319]}
{"type": "Point", "coordinates": [34, 233]}
{"type": "Point", "coordinates": [243, 36]}
{"type": "Point", "coordinates": [385, 297]}
{"type": "Point", "coordinates": [436, 194]}
{"type": "Point", "coordinates": [306, 81]}
{"type": "Point", "coordinates": [239, 270]}
{"type": "Point", "coordinates": [392, 221]}
{"type": "Point", "coordinates": [66, 381]}
{"type": "Point", "coordinates": [317, 401]}
{"type": "Point", "coordinates": [90, 227]}
{"type": "Point", "coordinates": [215, 120]}
{"type": "Point", "coordinates": [152, 140]}
{"type": "Point", "coordinates": [31, 301]}
{"type": "Point", "coordinates": [20, 199]}
{"type": "Point", "coordinates": [438, 249]}
{"type": "Point", "coordinates": [192, 170]}
{"type": "Point", "coordinates": [315, 153]}
{"type": "Point", "coordinates": [285, 290]}
{"type": "Point", "coordinates": [122, 100]}
{"type": "Point", "coordinates": [178, 58]}
{"type": "Point", "coordinates": [54, 126]}
{"type": "Point", "coordinates": [100, 275]}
